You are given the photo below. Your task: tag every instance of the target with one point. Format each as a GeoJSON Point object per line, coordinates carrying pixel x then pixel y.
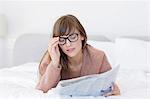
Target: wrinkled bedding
{"type": "Point", "coordinates": [19, 83]}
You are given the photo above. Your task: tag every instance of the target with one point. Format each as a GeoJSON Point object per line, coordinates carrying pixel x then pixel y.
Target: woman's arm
{"type": "Point", "coordinates": [49, 79]}
{"type": "Point", "coordinates": [49, 66]}
{"type": "Point", "coordinates": [106, 67]}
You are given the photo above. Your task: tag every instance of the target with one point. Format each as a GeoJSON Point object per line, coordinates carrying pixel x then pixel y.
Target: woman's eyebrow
{"type": "Point", "coordinates": [63, 36]}
{"type": "Point", "coordinates": [66, 35]}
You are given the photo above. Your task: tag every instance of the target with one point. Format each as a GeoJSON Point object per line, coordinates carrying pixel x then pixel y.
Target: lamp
{"type": "Point", "coordinates": [3, 26]}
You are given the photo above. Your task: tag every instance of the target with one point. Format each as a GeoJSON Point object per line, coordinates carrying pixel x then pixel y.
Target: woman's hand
{"type": "Point", "coordinates": [53, 50]}
{"type": "Point", "coordinates": [115, 91]}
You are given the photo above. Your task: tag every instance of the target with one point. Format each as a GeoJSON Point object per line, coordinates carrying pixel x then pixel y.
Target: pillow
{"type": "Point", "coordinates": [107, 47]}
{"type": "Point", "coordinates": [131, 53]}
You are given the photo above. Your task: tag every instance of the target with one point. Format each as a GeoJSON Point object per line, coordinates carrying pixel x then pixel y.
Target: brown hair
{"type": "Point", "coordinates": [63, 26]}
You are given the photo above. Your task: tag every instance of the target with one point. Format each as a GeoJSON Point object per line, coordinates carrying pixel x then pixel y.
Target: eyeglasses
{"type": "Point", "coordinates": [72, 38]}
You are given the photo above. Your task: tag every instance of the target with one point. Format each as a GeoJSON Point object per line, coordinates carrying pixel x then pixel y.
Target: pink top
{"type": "Point", "coordinates": [94, 62]}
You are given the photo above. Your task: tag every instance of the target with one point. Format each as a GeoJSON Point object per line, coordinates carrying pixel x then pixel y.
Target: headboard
{"type": "Point", "coordinates": [31, 47]}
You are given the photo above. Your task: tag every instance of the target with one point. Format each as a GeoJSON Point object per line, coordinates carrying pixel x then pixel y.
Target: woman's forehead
{"type": "Point", "coordinates": [71, 32]}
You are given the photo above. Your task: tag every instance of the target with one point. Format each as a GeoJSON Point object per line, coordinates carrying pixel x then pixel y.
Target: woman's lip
{"type": "Point", "coordinates": [70, 49]}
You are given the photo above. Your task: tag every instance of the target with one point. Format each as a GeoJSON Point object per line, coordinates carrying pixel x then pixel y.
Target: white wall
{"type": "Point", "coordinates": [149, 19]}
{"type": "Point", "coordinates": [111, 18]}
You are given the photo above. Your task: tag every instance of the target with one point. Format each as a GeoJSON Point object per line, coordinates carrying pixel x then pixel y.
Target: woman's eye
{"type": "Point", "coordinates": [61, 39]}
{"type": "Point", "coordinates": [73, 36]}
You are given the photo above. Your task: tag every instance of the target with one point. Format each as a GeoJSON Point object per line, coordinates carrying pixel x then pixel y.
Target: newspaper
{"type": "Point", "coordinates": [90, 85]}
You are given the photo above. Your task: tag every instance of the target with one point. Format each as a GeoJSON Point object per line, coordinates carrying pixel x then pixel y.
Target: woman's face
{"type": "Point", "coordinates": [71, 44]}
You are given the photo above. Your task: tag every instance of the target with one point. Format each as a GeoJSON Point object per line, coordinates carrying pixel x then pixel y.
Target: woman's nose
{"type": "Point", "coordinates": [68, 43]}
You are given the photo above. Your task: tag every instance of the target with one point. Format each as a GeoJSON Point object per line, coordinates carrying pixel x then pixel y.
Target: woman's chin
{"type": "Point", "coordinates": [71, 55]}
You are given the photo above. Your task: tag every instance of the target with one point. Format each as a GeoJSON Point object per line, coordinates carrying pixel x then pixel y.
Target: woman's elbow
{"type": "Point", "coordinates": [43, 88]}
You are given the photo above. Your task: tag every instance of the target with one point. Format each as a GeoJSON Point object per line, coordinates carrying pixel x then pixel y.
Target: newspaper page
{"type": "Point", "coordinates": [90, 85]}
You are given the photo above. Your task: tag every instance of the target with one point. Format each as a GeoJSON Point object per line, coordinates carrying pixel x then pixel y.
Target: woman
{"type": "Point", "coordinates": [69, 56]}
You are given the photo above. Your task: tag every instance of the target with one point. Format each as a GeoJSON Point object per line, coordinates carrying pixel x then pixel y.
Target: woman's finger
{"type": "Point", "coordinates": [57, 49]}
{"type": "Point", "coordinates": [113, 92]}
{"type": "Point", "coordinates": [52, 48]}
{"type": "Point", "coordinates": [53, 41]}
{"type": "Point", "coordinates": [55, 44]}
{"type": "Point", "coordinates": [108, 94]}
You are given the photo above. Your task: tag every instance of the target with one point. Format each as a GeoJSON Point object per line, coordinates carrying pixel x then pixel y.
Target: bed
{"type": "Point", "coordinates": [19, 81]}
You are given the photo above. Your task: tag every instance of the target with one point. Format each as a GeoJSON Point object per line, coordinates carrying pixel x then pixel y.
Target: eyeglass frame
{"type": "Point", "coordinates": [77, 34]}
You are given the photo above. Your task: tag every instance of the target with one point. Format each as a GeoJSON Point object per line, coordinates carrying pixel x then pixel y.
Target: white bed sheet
{"type": "Point", "coordinates": [19, 83]}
